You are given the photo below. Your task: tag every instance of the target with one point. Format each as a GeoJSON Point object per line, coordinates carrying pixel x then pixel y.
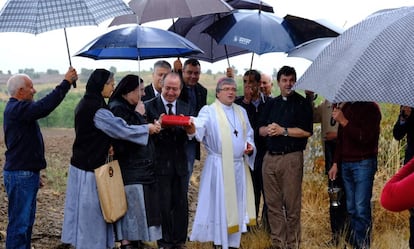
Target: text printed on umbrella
{"type": "Point", "coordinates": [242, 40]}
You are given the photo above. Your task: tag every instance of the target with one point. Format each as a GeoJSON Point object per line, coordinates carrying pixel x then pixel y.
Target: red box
{"type": "Point", "coordinates": [175, 120]}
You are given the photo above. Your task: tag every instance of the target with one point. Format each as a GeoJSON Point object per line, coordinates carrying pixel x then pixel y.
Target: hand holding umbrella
{"type": "Point", "coordinates": [71, 76]}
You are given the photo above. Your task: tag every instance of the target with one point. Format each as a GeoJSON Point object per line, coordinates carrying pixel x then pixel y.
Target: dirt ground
{"type": "Point", "coordinates": [50, 203]}
{"type": "Point", "coordinates": [49, 215]}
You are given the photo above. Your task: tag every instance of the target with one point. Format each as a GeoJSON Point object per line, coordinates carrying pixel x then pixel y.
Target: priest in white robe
{"type": "Point", "coordinates": [226, 198]}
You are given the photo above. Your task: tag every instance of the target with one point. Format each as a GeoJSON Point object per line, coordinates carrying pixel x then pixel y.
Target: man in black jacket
{"type": "Point", "coordinates": [161, 68]}
{"type": "Point", "coordinates": [194, 94]}
{"type": "Point", "coordinates": [254, 104]}
{"type": "Point", "coordinates": [171, 162]}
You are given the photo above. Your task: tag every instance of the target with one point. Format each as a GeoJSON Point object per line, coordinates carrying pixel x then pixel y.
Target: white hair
{"type": "Point", "coordinates": [15, 82]}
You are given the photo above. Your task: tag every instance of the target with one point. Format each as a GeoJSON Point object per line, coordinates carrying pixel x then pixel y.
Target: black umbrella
{"type": "Point", "coordinates": [192, 28]}
{"type": "Point", "coordinates": [262, 32]}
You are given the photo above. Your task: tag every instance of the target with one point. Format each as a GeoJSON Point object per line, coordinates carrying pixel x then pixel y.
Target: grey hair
{"type": "Point", "coordinates": [162, 64]}
{"type": "Point", "coordinates": [224, 81]}
{"type": "Point", "coordinates": [15, 82]}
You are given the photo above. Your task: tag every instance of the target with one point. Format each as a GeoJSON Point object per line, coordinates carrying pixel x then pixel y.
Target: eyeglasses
{"type": "Point", "coordinates": [228, 89]}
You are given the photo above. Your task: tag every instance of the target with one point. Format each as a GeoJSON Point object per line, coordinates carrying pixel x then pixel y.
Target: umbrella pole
{"type": "Point", "coordinates": [70, 61]}
{"type": "Point", "coordinates": [67, 47]}
{"type": "Point", "coordinates": [251, 63]}
{"type": "Point", "coordinates": [227, 55]}
{"type": "Point", "coordinates": [139, 67]}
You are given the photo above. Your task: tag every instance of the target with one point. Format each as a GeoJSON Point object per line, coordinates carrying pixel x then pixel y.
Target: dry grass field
{"type": "Point", "coordinates": [390, 230]}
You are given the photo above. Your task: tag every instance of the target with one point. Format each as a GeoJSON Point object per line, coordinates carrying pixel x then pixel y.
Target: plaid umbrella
{"type": "Point", "coordinates": [37, 16]}
{"type": "Point", "coordinates": [371, 61]}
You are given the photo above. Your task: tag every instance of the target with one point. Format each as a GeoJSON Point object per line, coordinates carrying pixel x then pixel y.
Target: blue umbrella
{"type": "Point", "coordinates": [138, 43]}
{"type": "Point", "coordinates": [262, 32]}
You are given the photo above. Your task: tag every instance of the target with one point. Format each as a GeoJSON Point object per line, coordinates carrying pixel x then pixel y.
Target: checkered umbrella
{"type": "Point", "coordinates": [311, 49]}
{"type": "Point", "coordinates": [371, 61]}
{"type": "Point", "coordinates": [37, 16]}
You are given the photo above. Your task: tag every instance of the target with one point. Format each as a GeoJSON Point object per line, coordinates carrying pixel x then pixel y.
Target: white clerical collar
{"type": "Point", "coordinates": [226, 107]}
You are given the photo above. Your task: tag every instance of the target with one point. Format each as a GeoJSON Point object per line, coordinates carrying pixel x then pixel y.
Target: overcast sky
{"type": "Point", "coordinates": [48, 50]}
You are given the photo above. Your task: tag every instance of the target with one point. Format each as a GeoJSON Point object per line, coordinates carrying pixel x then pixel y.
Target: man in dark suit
{"type": "Point", "coordinates": [195, 95]}
{"type": "Point", "coordinates": [171, 162]}
{"type": "Point", "coordinates": [161, 68]}
{"type": "Point", "coordinates": [254, 103]}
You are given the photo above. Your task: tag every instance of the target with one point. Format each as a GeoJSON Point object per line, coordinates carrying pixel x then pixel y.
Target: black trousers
{"type": "Point", "coordinates": [338, 216]}
{"type": "Point", "coordinates": [257, 179]}
{"type": "Point", "coordinates": [174, 210]}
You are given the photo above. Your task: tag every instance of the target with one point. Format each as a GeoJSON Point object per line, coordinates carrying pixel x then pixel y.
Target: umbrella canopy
{"type": "Point", "coordinates": [153, 10]}
{"type": "Point", "coordinates": [138, 43]}
{"type": "Point", "coordinates": [303, 30]}
{"type": "Point", "coordinates": [192, 28]}
{"type": "Point", "coordinates": [371, 61]}
{"type": "Point", "coordinates": [311, 49]}
{"type": "Point", "coordinates": [256, 31]}
{"type": "Point", "coordinates": [262, 32]}
{"type": "Point", "coordinates": [37, 16]}
{"type": "Point", "coordinates": [250, 5]}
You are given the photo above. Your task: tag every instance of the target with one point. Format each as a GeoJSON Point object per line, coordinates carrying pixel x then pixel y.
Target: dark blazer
{"type": "Point", "coordinates": [170, 143]}
{"type": "Point", "coordinates": [201, 97]}
{"type": "Point", "coordinates": [149, 93]}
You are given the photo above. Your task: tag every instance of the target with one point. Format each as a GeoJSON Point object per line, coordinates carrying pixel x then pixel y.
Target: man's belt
{"type": "Point", "coordinates": [279, 153]}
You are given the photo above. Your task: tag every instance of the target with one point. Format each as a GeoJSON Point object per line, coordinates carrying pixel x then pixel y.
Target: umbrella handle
{"type": "Point", "coordinates": [70, 61]}
{"type": "Point", "coordinates": [332, 121]}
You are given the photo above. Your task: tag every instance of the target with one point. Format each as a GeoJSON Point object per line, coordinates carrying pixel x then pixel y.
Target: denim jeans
{"type": "Point", "coordinates": [21, 188]}
{"type": "Point", "coordinates": [358, 180]}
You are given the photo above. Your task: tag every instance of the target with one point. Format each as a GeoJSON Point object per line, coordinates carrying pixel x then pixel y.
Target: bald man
{"type": "Point", "coordinates": [266, 85]}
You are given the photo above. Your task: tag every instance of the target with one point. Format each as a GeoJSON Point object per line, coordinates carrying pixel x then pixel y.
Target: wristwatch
{"type": "Point", "coordinates": [285, 132]}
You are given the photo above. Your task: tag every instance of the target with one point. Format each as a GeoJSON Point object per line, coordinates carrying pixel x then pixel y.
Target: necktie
{"type": "Point", "coordinates": [170, 112]}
